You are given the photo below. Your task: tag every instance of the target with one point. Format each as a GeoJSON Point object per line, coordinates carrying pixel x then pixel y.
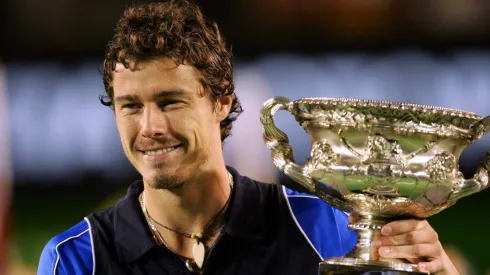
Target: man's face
{"type": "Point", "coordinates": [168, 129]}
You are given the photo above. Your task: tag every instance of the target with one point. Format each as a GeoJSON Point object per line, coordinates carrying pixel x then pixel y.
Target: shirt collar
{"type": "Point", "coordinates": [246, 220]}
{"type": "Point", "coordinates": [133, 237]}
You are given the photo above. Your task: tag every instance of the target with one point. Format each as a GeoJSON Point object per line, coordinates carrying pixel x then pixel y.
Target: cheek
{"type": "Point", "coordinates": [127, 132]}
{"type": "Point", "coordinates": [184, 127]}
{"type": "Point", "coordinates": [195, 129]}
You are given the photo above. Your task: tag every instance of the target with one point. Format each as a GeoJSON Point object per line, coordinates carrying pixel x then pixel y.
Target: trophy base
{"type": "Point", "coordinates": [337, 266]}
{"type": "Point", "coordinates": [363, 259]}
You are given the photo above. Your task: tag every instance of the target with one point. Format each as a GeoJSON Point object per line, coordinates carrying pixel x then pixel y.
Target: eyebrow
{"type": "Point", "coordinates": [170, 94]}
{"type": "Point", "coordinates": [159, 95]}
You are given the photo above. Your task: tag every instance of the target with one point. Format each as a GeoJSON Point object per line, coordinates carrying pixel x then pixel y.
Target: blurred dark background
{"type": "Point", "coordinates": [75, 30]}
{"type": "Point", "coordinates": [64, 148]}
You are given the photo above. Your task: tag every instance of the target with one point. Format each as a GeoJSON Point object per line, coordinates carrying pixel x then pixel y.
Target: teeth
{"type": "Point", "coordinates": [159, 152]}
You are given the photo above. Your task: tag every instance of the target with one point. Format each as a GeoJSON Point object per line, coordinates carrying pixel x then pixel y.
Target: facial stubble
{"type": "Point", "coordinates": [164, 180]}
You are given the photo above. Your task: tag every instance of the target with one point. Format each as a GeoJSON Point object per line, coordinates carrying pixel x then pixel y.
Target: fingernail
{"type": "Point", "coordinates": [376, 244]}
{"type": "Point", "coordinates": [422, 267]}
{"type": "Point", "coordinates": [386, 230]}
{"type": "Point", "coordinates": [384, 251]}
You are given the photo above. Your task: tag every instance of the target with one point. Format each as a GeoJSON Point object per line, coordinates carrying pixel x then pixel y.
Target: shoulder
{"type": "Point", "coordinates": [70, 252]}
{"type": "Point", "coordinates": [266, 193]}
{"type": "Point", "coordinates": [323, 226]}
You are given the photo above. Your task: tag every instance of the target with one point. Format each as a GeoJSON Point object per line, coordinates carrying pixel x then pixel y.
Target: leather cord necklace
{"type": "Point", "coordinates": [198, 248]}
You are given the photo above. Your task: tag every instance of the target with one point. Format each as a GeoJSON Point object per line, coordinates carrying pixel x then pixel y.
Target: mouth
{"type": "Point", "coordinates": [160, 151]}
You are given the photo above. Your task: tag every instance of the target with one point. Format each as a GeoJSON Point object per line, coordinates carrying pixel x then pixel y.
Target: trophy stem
{"type": "Point", "coordinates": [363, 259]}
{"type": "Point", "coordinates": [367, 228]}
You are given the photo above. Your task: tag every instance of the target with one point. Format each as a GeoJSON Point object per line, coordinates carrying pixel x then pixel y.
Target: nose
{"type": "Point", "coordinates": [153, 123]}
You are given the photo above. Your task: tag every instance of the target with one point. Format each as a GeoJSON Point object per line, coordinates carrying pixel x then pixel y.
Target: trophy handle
{"type": "Point", "coordinates": [278, 142]}
{"type": "Point", "coordinates": [480, 128]}
{"type": "Point", "coordinates": [480, 180]}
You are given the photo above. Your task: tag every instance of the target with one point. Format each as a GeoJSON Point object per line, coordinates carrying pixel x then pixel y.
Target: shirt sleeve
{"type": "Point", "coordinates": [69, 253]}
{"type": "Point", "coordinates": [324, 226]}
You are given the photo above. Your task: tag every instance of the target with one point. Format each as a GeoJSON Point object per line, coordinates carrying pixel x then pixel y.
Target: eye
{"type": "Point", "coordinates": [169, 103]}
{"type": "Point", "coordinates": [130, 106]}
{"type": "Point", "coordinates": [173, 101]}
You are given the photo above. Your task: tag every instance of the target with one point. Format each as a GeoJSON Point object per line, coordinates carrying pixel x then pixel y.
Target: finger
{"type": "Point", "coordinates": [411, 251]}
{"type": "Point", "coordinates": [404, 226]}
{"type": "Point", "coordinates": [410, 238]}
{"type": "Point", "coordinates": [353, 218]}
{"type": "Point", "coordinates": [430, 267]}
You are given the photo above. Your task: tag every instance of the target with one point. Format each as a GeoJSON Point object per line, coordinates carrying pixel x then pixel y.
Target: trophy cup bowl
{"type": "Point", "coordinates": [382, 160]}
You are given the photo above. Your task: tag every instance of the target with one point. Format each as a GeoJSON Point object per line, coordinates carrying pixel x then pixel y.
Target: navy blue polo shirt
{"type": "Point", "coordinates": [269, 230]}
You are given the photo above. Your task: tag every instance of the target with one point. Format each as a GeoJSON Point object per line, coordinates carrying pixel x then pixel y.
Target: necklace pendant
{"type": "Point", "coordinates": [189, 266]}
{"type": "Point", "coordinates": [198, 252]}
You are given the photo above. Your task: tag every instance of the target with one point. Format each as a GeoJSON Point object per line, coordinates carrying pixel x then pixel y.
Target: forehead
{"type": "Point", "coordinates": [155, 76]}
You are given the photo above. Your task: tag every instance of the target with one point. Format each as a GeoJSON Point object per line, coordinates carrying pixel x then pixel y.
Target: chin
{"type": "Point", "coordinates": [164, 181]}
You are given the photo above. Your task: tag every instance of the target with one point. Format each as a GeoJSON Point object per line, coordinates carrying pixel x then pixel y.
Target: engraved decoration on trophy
{"type": "Point", "coordinates": [382, 160]}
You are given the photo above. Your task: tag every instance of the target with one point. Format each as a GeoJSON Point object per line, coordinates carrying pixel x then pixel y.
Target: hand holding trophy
{"type": "Point", "coordinates": [383, 161]}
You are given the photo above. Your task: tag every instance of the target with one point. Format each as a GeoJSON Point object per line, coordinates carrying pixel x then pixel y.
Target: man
{"type": "Point", "coordinates": [168, 77]}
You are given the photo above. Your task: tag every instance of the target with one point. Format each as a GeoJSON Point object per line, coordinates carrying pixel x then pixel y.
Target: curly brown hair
{"type": "Point", "coordinates": [174, 29]}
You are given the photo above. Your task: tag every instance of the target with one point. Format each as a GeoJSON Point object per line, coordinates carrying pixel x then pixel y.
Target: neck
{"type": "Point", "coordinates": [191, 206]}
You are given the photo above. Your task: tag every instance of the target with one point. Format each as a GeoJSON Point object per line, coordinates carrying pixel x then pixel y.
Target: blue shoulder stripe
{"type": "Point", "coordinates": [70, 252]}
{"type": "Point", "coordinates": [323, 226]}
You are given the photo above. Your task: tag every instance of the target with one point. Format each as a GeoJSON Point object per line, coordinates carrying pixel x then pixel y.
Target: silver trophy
{"type": "Point", "coordinates": [382, 160]}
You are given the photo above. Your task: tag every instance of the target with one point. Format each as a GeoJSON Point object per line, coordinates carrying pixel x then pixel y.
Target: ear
{"type": "Point", "coordinates": [223, 106]}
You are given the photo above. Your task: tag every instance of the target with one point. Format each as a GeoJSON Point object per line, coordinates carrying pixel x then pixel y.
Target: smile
{"type": "Point", "coordinates": [159, 152]}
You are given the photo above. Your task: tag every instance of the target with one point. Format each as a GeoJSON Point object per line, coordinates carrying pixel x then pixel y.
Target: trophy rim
{"type": "Point", "coordinates": [386, 104]}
